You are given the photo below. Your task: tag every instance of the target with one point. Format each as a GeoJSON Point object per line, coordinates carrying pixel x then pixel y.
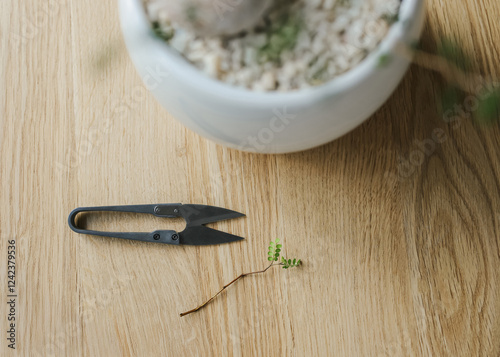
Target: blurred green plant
{"type": "Point", "coordinates": [455, 66]}
{"type": "Point", "coordinates": [454, 54]}
{"type": "Point", "coordinates": [273, 255]}
{"type": "Point", "coordinates": [488, 110]}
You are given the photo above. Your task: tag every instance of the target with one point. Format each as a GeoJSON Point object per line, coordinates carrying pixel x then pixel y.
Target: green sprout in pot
{"type": "Point", "coordinates": [214, 17]}
{"type": "Point", "coordinates": [281, 36]}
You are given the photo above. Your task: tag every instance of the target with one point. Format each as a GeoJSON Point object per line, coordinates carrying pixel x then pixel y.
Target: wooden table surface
{"type": "Point", "coordinates": [399, 259]}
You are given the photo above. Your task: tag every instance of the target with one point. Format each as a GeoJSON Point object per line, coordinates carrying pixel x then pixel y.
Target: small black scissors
{"type": "Point", "coordinates": [195, 216]}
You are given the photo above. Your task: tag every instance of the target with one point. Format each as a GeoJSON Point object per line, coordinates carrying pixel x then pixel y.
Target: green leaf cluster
{"type": "Point", "coordinates": [274, 251]}
{"type": "Point", "coordinates": [273, 255]}
{"type": "Point", "coordinates": [290, 263]}
{"type": "Point", "coordinates": [488, 105]}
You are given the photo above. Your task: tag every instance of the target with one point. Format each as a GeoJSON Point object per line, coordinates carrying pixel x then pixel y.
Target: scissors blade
{"type": "Point", "coordinates": [201, 235]}
{"type": "Point", "coordinates": [203, 214]}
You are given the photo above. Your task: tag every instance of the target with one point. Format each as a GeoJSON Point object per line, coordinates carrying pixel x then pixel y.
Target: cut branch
{"type": "Point", "coordinates": [226, 286]}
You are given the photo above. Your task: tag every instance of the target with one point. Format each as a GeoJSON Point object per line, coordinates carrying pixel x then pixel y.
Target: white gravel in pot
{"type": "Point", "coordinates": [295, 45]}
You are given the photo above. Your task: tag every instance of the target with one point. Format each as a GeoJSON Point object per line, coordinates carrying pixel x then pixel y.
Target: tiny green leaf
{"type": "Point", "coordinates": [161, 33]}
{"type": "Point", "coordinates": [449, 98]}
{"type": "Point", "coordinates": [488, 110]}
{"type": "Point", "coordinates": [384, 60]}
{"type": "Point", "coordinates": [454, 53]}
{"type": "Point", "coordinates": [415, 45]}
{"type": "Point", "coordinates": [390, 18]}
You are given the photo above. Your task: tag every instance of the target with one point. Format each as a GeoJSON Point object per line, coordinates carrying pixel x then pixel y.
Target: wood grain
{"type": "Point", "coordinates": [398, 260]}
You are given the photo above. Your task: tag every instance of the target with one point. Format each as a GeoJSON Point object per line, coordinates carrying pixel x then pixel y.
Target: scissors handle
{"type": "Point", "coordinates": [159, 236]}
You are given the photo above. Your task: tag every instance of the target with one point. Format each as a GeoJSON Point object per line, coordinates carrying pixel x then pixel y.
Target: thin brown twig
{"type": "Point", "coordinates": [225, 287]}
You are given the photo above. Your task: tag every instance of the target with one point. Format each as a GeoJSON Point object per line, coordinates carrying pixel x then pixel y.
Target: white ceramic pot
{"type": "Point", "coordinates": [269, 122]}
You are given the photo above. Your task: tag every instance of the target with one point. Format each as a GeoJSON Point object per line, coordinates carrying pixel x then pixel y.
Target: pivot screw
{"type": "Point", "coordinates": [156, 236]}
{"type": "Point", "coordinates": [157, 209]}
{"type": "Point", "coordinates": [175, 236]}
{"type": "Point", "coordinates": [176, 210]}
